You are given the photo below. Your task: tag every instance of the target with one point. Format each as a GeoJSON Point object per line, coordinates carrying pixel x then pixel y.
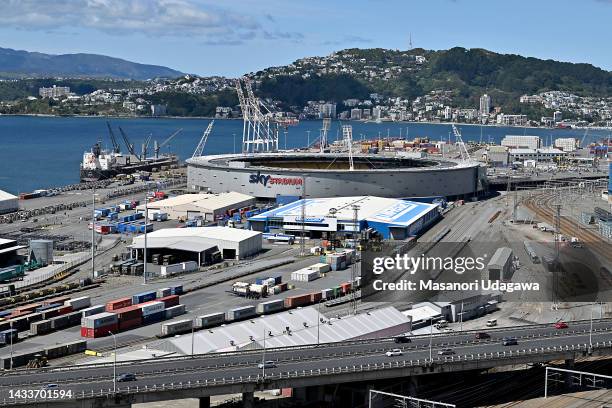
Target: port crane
{"type": "Point", "coordinates": [200, 147]}
{"type": "Point", "coordinates": [157, 146]}
{"type": "Point", "coordinates": [260, 131]}
{"type": "Point", "coordinates": [465, 155]}
{"type": "Point", "coordinates": [116, 148]}
{"type": "Point", "coordinates": [128, 144]}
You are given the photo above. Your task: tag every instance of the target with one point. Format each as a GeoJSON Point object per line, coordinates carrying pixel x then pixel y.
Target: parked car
{"type": "Point", "coordinates": [126, 377]}
{"type": "Point", "coordinates": [446, 352]}
{"type": "Point", "coordinates": [509, 341]}
{"type": "Point", "coordinates": [266, 364]}
{"type": "Point", "coordinates": [393, 353]}
{"type": "Point", "coordinates": [482, 335]}
{"type": "Point", "coordinates": [50, 386]}
{"type": "Point", "coordinates": [402, 339]}
{"type": "Point", "coordinates": [561, 325]}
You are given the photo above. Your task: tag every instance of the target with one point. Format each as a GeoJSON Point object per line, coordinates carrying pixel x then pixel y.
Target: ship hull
{"type": "Point", "coordinates": [99, 174]}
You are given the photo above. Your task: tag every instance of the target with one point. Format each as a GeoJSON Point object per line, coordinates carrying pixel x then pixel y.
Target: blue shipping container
{"type": "Point", "coordinates": [144, 297]}
{"type": "Point", "coordinates": [154, 317]}
{"type": "Point", "coordinates": [176, 289]}
{"type": "Point", "coordinates": [45, 307]}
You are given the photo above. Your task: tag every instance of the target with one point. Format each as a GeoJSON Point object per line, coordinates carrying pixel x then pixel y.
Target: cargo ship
{"type": "Point", "coordinates": [100, 164]}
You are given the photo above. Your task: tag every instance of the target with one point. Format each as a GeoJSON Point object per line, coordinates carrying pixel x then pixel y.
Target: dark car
{"type": "Point", "coordinates": [482, 335]}
{"type": "Point", "coordinates": [402, 339]}
{"type": "Point", "coordinates": [509, 341]}
{"type": "Point", "coordinates": [126, 377]}
{"type": "Point", "coordinates": [446, 352]}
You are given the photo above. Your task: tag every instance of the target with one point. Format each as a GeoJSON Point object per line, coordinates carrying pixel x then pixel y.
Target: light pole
{"type": "Point", "coordinates": [591, 329]}
{"type": "Point", "coordinates": [318, 319]}
{"type": "Point", "coordinates": [192, 336]}
{"type": "Point", "coordinates": [461, 318]}
{"type": "Point", "coordinates": [144, 252]}
{"type": "Point", "coordinates": [11, 349]}
{"type": "Point", "coordinates": [93, 234]}
{"type": "Point", "coordinates": [263, 355]}
{"type": "Point", "coordinates": [430, 338]}
{"type": "Point", "coordinates": [114, 362]}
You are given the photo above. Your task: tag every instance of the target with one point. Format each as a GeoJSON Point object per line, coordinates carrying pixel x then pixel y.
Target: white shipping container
{"type": "Point", "coordinates": [305, 275]}
{"type": "Point", "coordinates": [167, 270]}
{"type": "Point", "coordinates": [180, 326]}
{"type": "Point", "coordinates": [260, 289]}
{"type": "Point", "coordinates": [175, 311]}
{"type": "Point", "coordinates": [79, 303]}
{"type": "Point", "coordinates": [153, 307]}
{"type": "Point", "coordinates": [269, 282]}
{"type": "Point", "coordinates": [99, 320]}
{"type": "Point", "coordinates": [190, 266]}
{"type": "Point", "coordinates": [163, 292]}
{"type": "Point", "coordinates": [320, 267]}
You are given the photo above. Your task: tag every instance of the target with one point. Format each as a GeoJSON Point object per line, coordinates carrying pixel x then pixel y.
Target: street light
{"type": "Point", "coordinates": [144, 252]}
{"type": "Point", "coordinates": [192, 335]}
{"type": "Point", "coordinates": [591, 329]}
{"type": "Point", "coordinates": [263, 355]}
{"type": "Point", "coordinates": [114, 363]}
{"type": "Point", "coordinates": [430, 337]}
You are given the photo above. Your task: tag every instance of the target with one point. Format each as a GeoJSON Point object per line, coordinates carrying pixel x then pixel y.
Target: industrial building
{"type": "Point", "coordinates": [522, 142]}
{"type": "Point", "coordinates": [269, 175]}
{"type": "Point", "coordinates": [548, 154]}
{"type": "Point", "coordinates": [199, 243]}
{"type": "Point", "coordinates": [391, 218]}
{"type": "Point", "coordinates": [211, 207]}
{"type": "Point", "coordinates": [500, 265]}
{"type": "Point", "coordinates": [8, 202]}
{"type": "Point", "coordinates": [8, 252]}
{"type": "Point", "coordinates": [292, 328]}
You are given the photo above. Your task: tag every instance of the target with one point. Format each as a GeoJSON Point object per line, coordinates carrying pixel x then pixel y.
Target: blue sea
{"type": "Point", "coordinates": [42, 152]}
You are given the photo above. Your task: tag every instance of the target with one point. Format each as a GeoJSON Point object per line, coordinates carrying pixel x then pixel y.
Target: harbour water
{"type": "Point", "coordinates": [41, 152]}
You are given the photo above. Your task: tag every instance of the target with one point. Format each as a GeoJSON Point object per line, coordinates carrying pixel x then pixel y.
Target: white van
{"type": "Point", "coordinates": [492, 322]}
{"type": "Point", "coordinates": [440, 324]}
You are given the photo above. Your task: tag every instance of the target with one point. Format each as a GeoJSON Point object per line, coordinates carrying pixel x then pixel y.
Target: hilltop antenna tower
{"type": "Point", "coordinates": [410, 41]}
{"type": "Point", "coordinates": [347, 136]}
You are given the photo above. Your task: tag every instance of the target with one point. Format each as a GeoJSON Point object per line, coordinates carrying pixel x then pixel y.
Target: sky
{"type": "Point", "coordinates": [233, 37]}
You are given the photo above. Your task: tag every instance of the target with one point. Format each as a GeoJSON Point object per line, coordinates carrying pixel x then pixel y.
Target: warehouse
{"type": "Point", "coordinates": [391, 218]}
{"type": "Point", "coordinates": [294, 328]}
{"type": "Point", "coordinates": [199, 243]}
{"type": "Point", "coordinates": [211, 207]}
{"type": "Point", "coordinates": [8, 202]}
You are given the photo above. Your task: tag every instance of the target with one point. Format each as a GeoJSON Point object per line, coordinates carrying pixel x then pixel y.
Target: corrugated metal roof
{"type": "Point", "coordinates": [6, 196]}
{"type": "Point", "coordinates": [182, 244]}
{"type": "Point", "coordinates": [211, 233]}
{"type": "Point", "coordinates": [375, 209]}
{"type": "Point", "coordinates": [500, 257]}
{"type": "Point", "coordinates": [332, 330]}
{"type": "Point", "coordinates": [208, 201]}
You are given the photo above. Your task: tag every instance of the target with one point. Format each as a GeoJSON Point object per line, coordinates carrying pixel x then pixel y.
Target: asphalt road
{"type": "Point", "coordinates": [227, 365]}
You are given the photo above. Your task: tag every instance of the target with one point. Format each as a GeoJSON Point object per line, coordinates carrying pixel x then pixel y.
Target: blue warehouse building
{"type": "Point", "coordinates": [391, 218]}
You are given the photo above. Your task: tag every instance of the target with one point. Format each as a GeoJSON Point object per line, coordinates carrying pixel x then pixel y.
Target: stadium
{"type": "Point", "coordinates": [269, 175]}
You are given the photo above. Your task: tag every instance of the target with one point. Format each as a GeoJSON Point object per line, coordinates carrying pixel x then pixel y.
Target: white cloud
{"type": "Point", "coordinates": [155, 18]}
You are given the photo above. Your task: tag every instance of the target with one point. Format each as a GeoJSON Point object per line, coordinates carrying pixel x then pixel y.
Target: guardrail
{"type": "Point", "coordinates": [224, 381]}
{"type": "Point", "coordinates": [209, 356]}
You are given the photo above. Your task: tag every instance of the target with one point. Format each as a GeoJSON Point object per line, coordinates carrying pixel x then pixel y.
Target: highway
{"type": "Point", "coordinates": [210, 370]}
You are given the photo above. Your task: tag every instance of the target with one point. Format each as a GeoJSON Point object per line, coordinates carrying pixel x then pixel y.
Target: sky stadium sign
{"type": "Point", "coordinates": [266, 179]}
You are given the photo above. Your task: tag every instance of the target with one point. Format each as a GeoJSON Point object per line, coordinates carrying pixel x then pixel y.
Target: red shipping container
{"type": "Point", "coordinates": [346, 287]}
{"type": "Point", "coordinates": [130, 324]}
{"type": "Point", "coordinates": [113, 305]}
{"type": "Point", "coordinates": [99, 332]}
{"type": "Point", "coordinates": [129, 313]}
{"type": "Point", "coordinates": [295, 301]}
{"type": "Point", "coordinates": [287, 392]}
{"type": "Point", "coordinates": [59, 299]}
{"type": "Point", "coordinates": [169, 301]}
{"type": "Point", "coordinates": [315, 297]}
{"type": "Point", "coordinates": [62, 310]}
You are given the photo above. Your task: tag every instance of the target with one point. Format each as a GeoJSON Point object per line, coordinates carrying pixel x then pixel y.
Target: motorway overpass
{"type": "Point", "coordinates": [304, 366]}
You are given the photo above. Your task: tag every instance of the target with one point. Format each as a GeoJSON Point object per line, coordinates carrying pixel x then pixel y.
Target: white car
{"type": "Point", "coordinates": [393, 353]}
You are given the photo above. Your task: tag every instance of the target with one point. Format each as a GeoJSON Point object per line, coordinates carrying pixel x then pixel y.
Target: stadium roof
{"type": "Point", "coordinates": [373, 209]}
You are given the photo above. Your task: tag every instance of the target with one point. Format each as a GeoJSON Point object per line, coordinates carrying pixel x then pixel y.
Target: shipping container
{"type": "Point", "coordinates": [47, 307]}
{"type": "Point", "coordinates": [9, 336]}
{"type": "Point", "coordinates": [101, 331]}
{"type": "Point", "coordinates": [240, 313]}
{"type": "Point", "coordinates": [315, 297]}
{"type": "Point", "coordinates": [170, 301]}
{"type": "Point", "coordinates": [271, 306]}
{"type": "Point", "coordinates": [99, 320]}
{"type": "Point", "coordinates": [178, 327]}
{"type": "Point", "coordinates": [59, 322]}
{"type": "Point", "coordinates": [327, 293]}
{"type": "Point", "coordinates": [93, 310]}
{"type": "Point", "coordinates": [79, 303]}
{"type": "Point", "coordinates": [154, 317]}
{"type": "Point", "coordinates": [40, 327]}
{"type": "Point", "coordinates": [305, 275]}
{"type": "Point", "coordinates": [152, 307]}
{"type": "Point", "coordinates": [174, 311]}
{"type": "Point", "coordinates": [176, 289]}
{"type": "Point", "coordinates": [346, 287]}
{"type": "Point", "coordinates": [163, 292]}
{"type": "Point", "coordinates": [295, 301]}
{"type": "Point", "coordinates": [128, 324]}
{"type": "Point", "coordinates": [118, 304]}
{"type": "Point", "coordinates": [129, 313]}
{"type": "Point", "coordinates": [210, 320]}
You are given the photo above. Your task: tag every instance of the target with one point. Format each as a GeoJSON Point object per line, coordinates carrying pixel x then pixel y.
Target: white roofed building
{"type": "Point", "coordinates": [8, 202]}
{"type": "Point", "coordinates": [211, 207]}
